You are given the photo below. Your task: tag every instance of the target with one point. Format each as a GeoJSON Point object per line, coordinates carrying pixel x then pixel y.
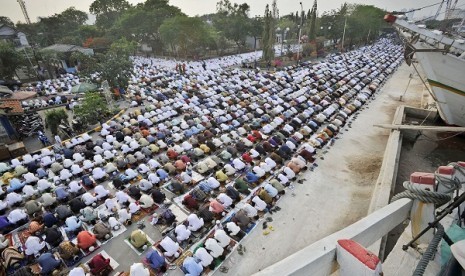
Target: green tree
{"type": "Point", "coordinates": [141, 23]}
{"type": "Point", "coordinates": [53, 119]}
{"type": "Point", "coordinates": [92, 109]}
{"type": "Point", "coordinates": [6, 21]}
{"type": "Point", "coordinates": [269, 34]}
{"type": "Point", "coordinates": [107, 12]}
{"type": "Point", "coordinates": [233, 21]}
{"type": "Point", "coordinates": [188, 36]}
{"type": "Point", "coordinates": [10, 60]}
{"type": "Point", "coordinates": [114, 66]}
{"type": "Point", "coordinates": [312, 33]}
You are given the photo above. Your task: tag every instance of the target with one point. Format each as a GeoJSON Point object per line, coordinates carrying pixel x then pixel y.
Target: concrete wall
{"type": "Point", "coordinates": [320, 257]}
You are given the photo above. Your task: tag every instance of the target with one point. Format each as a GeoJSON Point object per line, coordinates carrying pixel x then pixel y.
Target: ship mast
{"type": "Point", "coordinates": [22, 4]}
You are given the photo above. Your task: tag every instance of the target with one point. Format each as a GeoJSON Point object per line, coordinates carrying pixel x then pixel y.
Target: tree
{"type": "Point", "coordinates": [92, 109]}
{"type": "Point", "coordinates": [108, 11]}
{"type": "Point", "coordinates": [312, 33]}
{"type": "Point", "coordinates": [267, 41]}
{"type": "Point", "coordinates": [53, 119]}
{"type": "Point", "coordinates": [10, 60]}
{"type": "Point", "coordinates": [114, 66]}
{"type": "Point", "coordinates": [6, 21]}
{"type": "Point", "coordinates": [141, 23]}
{"type": "Point", "coordinates": [233, 21]}
{"type": "Point", "coordinates": [189, 35]}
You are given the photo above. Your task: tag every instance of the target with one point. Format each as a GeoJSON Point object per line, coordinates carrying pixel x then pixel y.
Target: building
{"type": "Point", "coordinates": [10, 34]}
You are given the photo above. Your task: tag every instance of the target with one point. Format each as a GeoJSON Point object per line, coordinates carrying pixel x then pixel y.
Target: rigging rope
{"type": "Point", "coordinates": [430, 251]}
{"type": "Point", "coordinates": [413, 192]}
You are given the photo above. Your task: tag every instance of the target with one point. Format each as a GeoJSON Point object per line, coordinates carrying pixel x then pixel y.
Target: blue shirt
{"type": "Point", "coordinates": [192, 267]}
{"type": "Point", "coordinates": [15, 184]}
{"type": "Point", "coordinates": [61, 193]}
{"type": "Point", "coordinates": [162, 174]}
{"type": "Point", "coordinates": [50, 219]}
{"type": "Point", "coordinates": [48, 263]}
{"type": "Point", "coordinates": [251, 177]}
{"type": "Point", "coordinates": [41, 173]}
{"type": "Point", "coordinates": [4, 222]}
{"type": "Point", "coordinates": [155, 260]}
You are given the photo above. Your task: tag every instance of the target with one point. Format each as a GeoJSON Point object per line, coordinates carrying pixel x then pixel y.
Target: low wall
{"type": "Point", "coordinates": [320, 257]}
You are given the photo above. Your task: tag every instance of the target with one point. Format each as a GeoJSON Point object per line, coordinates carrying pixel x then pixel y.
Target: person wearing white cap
{"type": "Point", "coordinates": [74, 187]}
{"type": "Point", "coordinates": [232, 228]}
{"type": "Point", "coordinates": [123, 216]}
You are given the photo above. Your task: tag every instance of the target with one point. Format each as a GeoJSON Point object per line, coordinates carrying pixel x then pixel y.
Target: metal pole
{"type": "Point", "coordinates": [344, 33]}
{"type": "Point", "coordinates": [300, 30]}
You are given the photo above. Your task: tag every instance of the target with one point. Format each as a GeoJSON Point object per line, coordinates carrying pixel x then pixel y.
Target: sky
{"type": "Point", "coordinates": [42, 8]}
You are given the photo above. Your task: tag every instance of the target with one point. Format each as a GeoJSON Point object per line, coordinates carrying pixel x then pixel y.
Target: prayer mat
{"type": "Point", "coordinates": [13, 269]}
{"type": "Point", "coordinates": [72, 262]}
{"type": "Point", "coordinates": [120, 231]}
{"type": "Point", "coordinates": [87, 252]}
{"type": "Point", "coordinates": [23, 235]}
{"type": "Point", "coordinates": [150, 210]}
{"type": "Point", "coordinates": [181, 258]}
{"type": "Point", "coordinates": [113, 263]}
{"type": "Point", "coordinates": [140, 215]}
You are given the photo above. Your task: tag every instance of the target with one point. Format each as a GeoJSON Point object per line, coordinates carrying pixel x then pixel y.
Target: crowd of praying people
{"type": "Point", "coordinates": [226, 142]}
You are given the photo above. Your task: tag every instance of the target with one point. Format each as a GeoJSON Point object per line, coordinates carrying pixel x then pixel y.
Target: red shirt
{"type": "Point", "coordinates": [190, 202]}
{"type": "Point", "coordinates": [257, 134]}
{"type": "Point", "coordinates": [98, 263]}
{"type": "Point", "coordinates": [251, 138]}
{"type": "Point", "coordinates": [85, 239]}
{"type": "Point", "coordinates": [247, 158]}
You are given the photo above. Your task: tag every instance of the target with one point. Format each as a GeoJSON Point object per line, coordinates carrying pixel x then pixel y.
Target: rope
{"type": "Point", "coordinates": [413, 192]}
{"type": "Point", "coordinates": [430, 251]}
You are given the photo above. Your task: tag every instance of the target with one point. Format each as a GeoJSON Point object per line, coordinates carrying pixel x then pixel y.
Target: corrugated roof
{"type": "Point", "coordinates": [64, 48]}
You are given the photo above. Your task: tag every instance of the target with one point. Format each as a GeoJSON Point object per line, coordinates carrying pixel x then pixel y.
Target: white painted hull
{"type": "Point", "coordinates": [446, 76]}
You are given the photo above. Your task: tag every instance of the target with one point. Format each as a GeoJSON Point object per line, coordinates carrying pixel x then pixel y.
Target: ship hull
{"type": "Point", "coordinates": [446, 76]}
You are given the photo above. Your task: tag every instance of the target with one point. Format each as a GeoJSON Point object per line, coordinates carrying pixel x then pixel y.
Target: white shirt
{"type": "Point", "coordinates": [121, 196]}
{"type": "Point", "coordinates": [250, 210]}
{"type": "Point", "coordinates": [13, 198]}
{"type": "Point", "coordinates": [28, 191]}
{"type": "Point", "coordinates": [138, 269]}
{"type": "Point", "coordinates": [170, 246]}
{"type": "Point", "coordinates": [111, 204]}
{"type": "Point", "coordinates": [16, 215]}
{"type": "Point", "coordinates": [213, 183]}
{"type": "Point", "coordinates": [259, 171]}
{"type": "Point", "coordinates": [33, 245]}
{"type": "Point", "coordinates": [153, 164]}
{"type": "Point", "coordinates": [146, 201]}
{"type": "Point", "coordinates": [238, 164]}
{"type": "Point", "coordinates": [88, 199]}
{"type": "Point", "coordinates": [143, 168]}
{"type": "Point", "coordinates": [123, 215]}
{"type": "Point", "coordinates": [233, 228]}
{"type": "Point", "coordinates": [182, 233]}
{"type": "Point", "coordinates": [205, 258]}
{"type": "Point", "coordinates": [195, 223]}
{"type": "Point", "coordinates": [43, 184]}
{"type": "Point", "coordinates": [282, 178]}
{"type": "Point", "coordinates": [225, 199]}
{"type": "Point", "coordinates": [101, 191]}
{"type": "Point", "coordinates": [222, 238]}
{"type": "Point", "coordinates": [145, 185]}
{"type": "Point", "coordinates": [289, 173]}
{"type": "Point", "coordinates": [215, 249]}
{"type": "Point", "coordinates": [260, 205]}
{"type": "Point", "coordinates": [270, 162]}
{"type": "Point", "coordinates": [133, 208]}
{"type": "Point", "coordinates": [153, 178]}
{"type": "Point", "coordinates": [98, 173]}
{"type": "Point", "coordinates": [77, 271]}
{"type": "Point", "coordinates": [74, 186]}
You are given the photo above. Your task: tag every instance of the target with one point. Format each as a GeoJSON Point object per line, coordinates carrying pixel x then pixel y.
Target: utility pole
{"type": "Point", "coordinates": [344, 33]}
{"type": "Point", "coordinates": [22, 4]}
{"type": "Point", "coordinates": [300, 30]}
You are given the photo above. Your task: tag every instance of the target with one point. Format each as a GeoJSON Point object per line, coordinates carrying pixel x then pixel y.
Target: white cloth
{"type": "Point", "coordinates": [222, 238]}
{"type": "Point", "coordinates": [33, 245]}
{"type": "Point", "coordinates": [16, 215]}
{"type": "Point", "coordinates": [205, 258]}
{"type": "Point", "coordinates": [233, 228]}
{"type": "Point", "coordinates": [123, 215]}
{"type": "Point", "coordinates": [88, 198]}
{"type": "Point", "coordinates": [195, 223]}
{"type": "Point", "coordinates": [225, 199]}
{"type": "Point", "coordinates": [182, 233]}
{"type": "Point", "coordinates": [249, 210]}
{"type": "Point", "coordinates": [121, 196]}
{"type": "Point", "coordinates": [74, 186]}
{"type": "Point", "coordinates": [101, 192]}
{"type": "Point", "coordinates": [215, 249]}
{"type": "Point", "coordinates": [170, 247]}
{"type": "Point", "coordinates": [138, 269]}
{"type": "Point", "coordinates": [260, 205]}
{"type": "Point", "coordinates": [133, 208]}
{"type": "Point", "coordinates": [77, 271]}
